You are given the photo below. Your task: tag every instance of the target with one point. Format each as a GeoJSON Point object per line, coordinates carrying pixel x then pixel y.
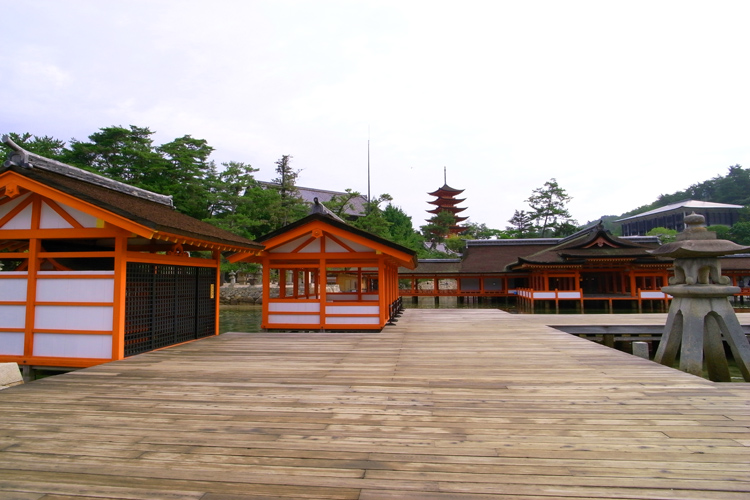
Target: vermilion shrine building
{"type": "Point", "coordinates": [331, 275]}
{"type": "Point", "coordinates": [93, 270]}
{"type": "Point", "coordinates": [589, 268]}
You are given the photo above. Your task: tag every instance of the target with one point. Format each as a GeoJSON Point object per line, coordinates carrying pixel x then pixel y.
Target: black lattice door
{"type": "Point", "coordinates": [167, 305]}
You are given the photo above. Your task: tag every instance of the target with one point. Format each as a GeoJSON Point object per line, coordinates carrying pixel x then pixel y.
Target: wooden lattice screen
{"type": "Point", "coordinates": [167, 305]}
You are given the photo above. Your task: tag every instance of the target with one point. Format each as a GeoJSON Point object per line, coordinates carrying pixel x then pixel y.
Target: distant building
{"type": "Point", "coordinates": [672, 216]}
{"type": "Point", "coordinates": [358, 203]}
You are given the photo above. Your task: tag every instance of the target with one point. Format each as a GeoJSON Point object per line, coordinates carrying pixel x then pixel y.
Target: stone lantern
{"type": "Point", "coordinates": [700, 316]}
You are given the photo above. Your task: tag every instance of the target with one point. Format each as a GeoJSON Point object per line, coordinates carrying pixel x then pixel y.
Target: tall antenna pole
{"type": "Point", "coordinates": [368, 169]}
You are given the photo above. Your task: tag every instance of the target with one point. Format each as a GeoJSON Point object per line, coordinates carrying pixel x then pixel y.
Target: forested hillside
{"type": "Point", "coordinates": [733, 188]}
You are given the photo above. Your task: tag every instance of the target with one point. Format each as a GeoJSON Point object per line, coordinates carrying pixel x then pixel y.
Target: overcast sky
{"type": "Point", "coordinates": [619, 101]}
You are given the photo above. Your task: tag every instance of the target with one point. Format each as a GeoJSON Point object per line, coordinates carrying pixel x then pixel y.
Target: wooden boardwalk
{"type": "Point", "coordinates": [447, 404]}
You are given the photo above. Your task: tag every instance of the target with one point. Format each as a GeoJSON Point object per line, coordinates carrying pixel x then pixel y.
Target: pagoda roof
{"type": "Point", "coordinates": [453, 210]}
{"type": "Point", "coordinates": [446, 190]}
{"type": "Point", "coordinates": [446, 201]}
{"type": "Point", "coordinates": [457, 219]}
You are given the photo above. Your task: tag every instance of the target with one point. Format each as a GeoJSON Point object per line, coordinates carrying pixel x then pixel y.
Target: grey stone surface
{"type": "Point", "coordinates": [10, 375]}
{"type": "Point", "coordinates": [700, 316]}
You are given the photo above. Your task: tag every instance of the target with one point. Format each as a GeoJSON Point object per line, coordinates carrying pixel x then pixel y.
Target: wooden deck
{"type": "Point", "coordinates": [447, 404]}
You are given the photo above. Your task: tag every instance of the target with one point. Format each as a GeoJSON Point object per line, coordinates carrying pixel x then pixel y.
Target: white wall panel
{"type": "Point", "coordinates": [50, 219]}
{"type": "Point", "coordinates": [342, 320]}
{"type": "Point", "coordinates": [356, 246]}
{"type": "Point", "coordinates": [11, 343]}
{"type": "Point", "coordinates": [75, 273]}
{"type": "Point", "coordinates": [22, 220]}
{"type": "Point", "coordinates": [352, 310]}
{"type": "Point", "coordinates": [12, 316]}
{"type": "Point", "coordinates": [295, 319]}
{"type": "Point", "coordinates": [84, 219]}
{"type": "Point", "coordinates": [312, 247]}
{"type": "Point", "coordinates": [294, 307]}
{"type": "Point", "coordinates": [75, 290]}
{"type": "Point", "coordinates": [73, 317]}
{"type": "Point", "coordinates": [333, 247]}
{"type": "Point", "coordinates": [6, 208]}
{"type": "Point", "coordinates": [73, 346]}
{"type": "Point", "coordinates": [13, 289]}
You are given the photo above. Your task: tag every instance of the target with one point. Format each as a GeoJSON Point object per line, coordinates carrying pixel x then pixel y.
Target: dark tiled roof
{"type": "Point", "coordinates": [435, 266]}
{"type": "Point", "coordinates": [487, 258]}
{"type": "Point", "coordinates": [735, 262]}
{"type": "Point", "coordinates": [152, 214]}
{"type": "Point", "coordinates": [591, 243]}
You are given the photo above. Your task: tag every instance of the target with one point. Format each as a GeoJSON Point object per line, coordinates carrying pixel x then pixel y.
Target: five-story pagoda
{"type": "Point", "coordinates": [446, 201]}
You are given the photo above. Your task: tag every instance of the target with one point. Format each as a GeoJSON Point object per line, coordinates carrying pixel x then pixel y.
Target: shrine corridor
{"type": "Point", "coordinates": [446, 404]}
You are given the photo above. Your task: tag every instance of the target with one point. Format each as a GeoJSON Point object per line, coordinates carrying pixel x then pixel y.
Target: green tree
{"type": "Point", "coordinates": [185, 172]}
{"type": "Point", "coordinates": [438, 228]}
{"type": "Point", "coordinates": [46, 146]}
{"type": "Point", "coordinates": [476, 231]}
{"type": "Point", "coordinates": [722, 232]}
{"type": "Point", "coordinates": [341, 204]}
{"type": "Point", "coordinates": [455, 243]}
{"type": "Point", "coordinates": [291, 206]}
{"type": "Point", "coordinates": [230, 205]}
{"type": "Point", "coordinates": [665, 235]}
{"type": "Point", "coordinates": [521, 225]}
{"type": "Point", "coordinates": [401, 229]}
{"type": "Point", "coordinates": [375, 222]}
{"type": "Point", "coordinates": [122, 154]}
{"type": "Point", "coordinates": [180, 168]}
{"type": "Point", "coordinates": [740, 233]}
{"type": "Point", "coordinates": [549, 212]}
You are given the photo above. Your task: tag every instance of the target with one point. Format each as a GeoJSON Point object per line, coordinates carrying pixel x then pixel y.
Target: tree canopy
{"type": "Point", "coordinates": [230, 197]}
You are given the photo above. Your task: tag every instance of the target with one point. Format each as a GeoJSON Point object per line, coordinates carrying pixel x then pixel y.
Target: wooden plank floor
{"type": "Point", "coordinates": [447, 404]}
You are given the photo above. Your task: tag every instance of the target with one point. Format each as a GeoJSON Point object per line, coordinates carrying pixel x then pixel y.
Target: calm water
{"type": "Point", "coordinates": [239, 319]}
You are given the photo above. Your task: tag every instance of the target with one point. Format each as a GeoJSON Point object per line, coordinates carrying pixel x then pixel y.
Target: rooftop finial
{"type": "Point", "coordinates": [445, 175]}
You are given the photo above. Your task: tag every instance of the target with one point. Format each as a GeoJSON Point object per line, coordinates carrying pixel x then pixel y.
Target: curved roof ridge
{"type": "Point", "coordinates": [27, 159]}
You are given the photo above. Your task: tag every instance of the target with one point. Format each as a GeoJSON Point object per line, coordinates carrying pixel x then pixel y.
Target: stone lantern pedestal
{"type": "Point", "coordinates": [700, 317]}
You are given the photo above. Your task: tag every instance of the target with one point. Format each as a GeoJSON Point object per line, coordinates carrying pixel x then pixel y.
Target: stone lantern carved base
{"type": "Point", "coordinates": [700, 319]}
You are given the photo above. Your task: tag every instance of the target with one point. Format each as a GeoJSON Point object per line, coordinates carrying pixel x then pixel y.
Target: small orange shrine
{"type": "Point", "coordinates": [93, 270]}
{"type": "Point", "coordinates": [446, 201]}
{"type": "Point", "coordinates": [331, 276]}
